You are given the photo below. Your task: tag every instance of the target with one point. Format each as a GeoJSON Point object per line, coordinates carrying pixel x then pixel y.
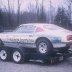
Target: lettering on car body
{"type": "Point", "coordinates": [22, 40]}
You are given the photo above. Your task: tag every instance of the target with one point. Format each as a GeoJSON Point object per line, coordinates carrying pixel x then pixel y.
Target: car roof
{"type": "Point", "coordinates": [44, 25]}
{"type": "Point", "coordinates": [36, 24]}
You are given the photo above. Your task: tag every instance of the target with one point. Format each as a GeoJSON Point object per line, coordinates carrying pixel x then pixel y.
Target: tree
{"type": "Point", "coordinates": [38, 10]}
{"type": "Point", "coordinates": [9, 13]}
{"type": "Point", "coordinates": [62, 18]}
{"type": "Point", "coordinates": [0, 18]}
{"type": "Point", "coordinates": [19, 2]}
{"type": "Point", "coordinates": [50, 15]}
{"type": "Point", "coordinates": [70, 8]}
{"type": "Point", "coordinates": [69, 5]}
{"type": "Point", "coordinates": [42, 14]}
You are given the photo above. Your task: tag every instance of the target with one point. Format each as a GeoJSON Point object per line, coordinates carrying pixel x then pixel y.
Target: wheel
{"type": "Point", "coordinates": [18, 56]}
{"type": "Point", "coordinates": [5, 54]}
{"type": "Point", "coordinates": [44, 47]}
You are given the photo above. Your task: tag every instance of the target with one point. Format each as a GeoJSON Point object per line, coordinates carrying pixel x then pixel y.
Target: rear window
{"type": "Point", "coordinates": [52, 27]}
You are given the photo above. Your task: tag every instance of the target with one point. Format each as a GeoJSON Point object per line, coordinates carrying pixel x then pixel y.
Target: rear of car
{"type": "Point", "coordinates": [58, 36]}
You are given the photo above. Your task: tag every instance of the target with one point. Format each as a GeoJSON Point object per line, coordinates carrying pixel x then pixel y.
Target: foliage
{"type": "Point", "coordinates": [0, 17]}
{"type": "Point", "coordinates": [62, 18]}
{"type": "Point", "coordinates": [42, 15]}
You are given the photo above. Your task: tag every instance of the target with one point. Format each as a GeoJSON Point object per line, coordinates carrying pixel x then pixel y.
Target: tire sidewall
{"type": "Point", "coordinates": [49, 47]}
{"type": "Point", "coordinates": [8, 54]}
{"type": "Point", "coordinates": [22, 56]}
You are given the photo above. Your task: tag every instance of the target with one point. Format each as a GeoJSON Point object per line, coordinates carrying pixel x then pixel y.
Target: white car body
{"type": "Point", "coordinates": [26, 35]}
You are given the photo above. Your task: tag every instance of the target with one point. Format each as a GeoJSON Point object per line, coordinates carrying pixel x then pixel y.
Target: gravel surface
{"type": "Point", "coordinates": [33, 66]}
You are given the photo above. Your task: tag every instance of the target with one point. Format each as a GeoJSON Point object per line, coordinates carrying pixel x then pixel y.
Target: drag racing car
{"type": "Point", "coordinates": [38, 39]}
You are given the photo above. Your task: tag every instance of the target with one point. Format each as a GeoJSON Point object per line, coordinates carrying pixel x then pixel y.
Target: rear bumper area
{"type": "Point", "coordinates": [58, 57]}
{"type": "Point", "coordinates": [62, 44]}
{"type": "Point", "coordinates": [59, 45]}
{"type": "Point", "coordinates": [68, 43]}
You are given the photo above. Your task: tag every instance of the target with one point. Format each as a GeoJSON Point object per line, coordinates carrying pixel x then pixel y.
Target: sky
{"type": "Point", "coordinates": [25, 4]}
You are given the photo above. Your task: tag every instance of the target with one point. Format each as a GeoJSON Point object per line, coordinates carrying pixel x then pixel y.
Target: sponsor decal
{"type": "Point", "coordinates": [56, 39]}
{"type": "Point", "coordinates": [38, 29]}
{"type": "Point", "coordinates": [22, 40]}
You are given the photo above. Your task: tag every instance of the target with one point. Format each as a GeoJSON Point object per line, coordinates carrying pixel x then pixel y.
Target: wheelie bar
{"type": "Point", "coordinates": [59, 57]}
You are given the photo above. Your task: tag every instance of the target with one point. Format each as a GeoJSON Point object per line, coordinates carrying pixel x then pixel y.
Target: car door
{"type": "Point", "coordinates": [26, 35]}
{"type": "Point", "coordinates": [29, 33]}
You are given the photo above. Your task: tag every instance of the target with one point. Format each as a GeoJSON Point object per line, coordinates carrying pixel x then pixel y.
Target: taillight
{"type": "Point", "coordinates": [69, 37]}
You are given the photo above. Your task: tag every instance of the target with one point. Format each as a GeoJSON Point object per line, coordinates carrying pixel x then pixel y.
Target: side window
{"type": "Point", "coordinates": [29, 29]}
{"type": "Point", "coordinates": [25, 29]}
{"type": "Point", "coordinates": [39, 29]}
